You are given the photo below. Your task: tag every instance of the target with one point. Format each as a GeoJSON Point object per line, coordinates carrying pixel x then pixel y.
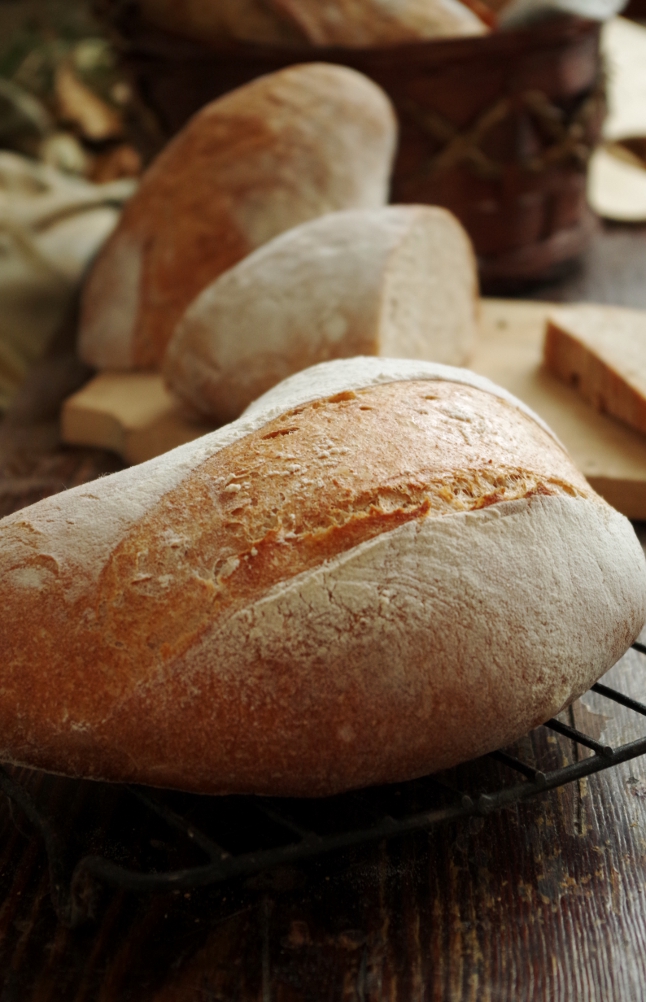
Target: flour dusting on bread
{"type": "Point", "coordinates": [305, 600]}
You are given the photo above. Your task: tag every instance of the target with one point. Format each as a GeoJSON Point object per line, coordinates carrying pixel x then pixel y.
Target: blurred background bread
{"type": "Point", "coordinates": [399, 282]}
{"type": "Point", "coordinates": [283, 149]}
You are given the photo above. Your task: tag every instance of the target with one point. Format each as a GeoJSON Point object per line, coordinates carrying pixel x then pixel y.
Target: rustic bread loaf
{"type": "Point", "coordinates": [356, 23]}
{"type": "Point", "coordinates": [308, 599]}
{"type": "Point", "coordinates": [400, 282]}
{"type": "Point", "coordinates": [281, 150]}
{"type": "Point", "coordinates": [217, 21]}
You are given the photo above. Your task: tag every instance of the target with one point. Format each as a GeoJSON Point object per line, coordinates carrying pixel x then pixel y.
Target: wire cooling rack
{"type": "Point", "coordinates": [256, 834]}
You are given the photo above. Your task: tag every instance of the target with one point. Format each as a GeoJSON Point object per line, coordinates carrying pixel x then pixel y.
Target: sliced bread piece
{"type": "Point", "coordinates": [399, 282]}
{"type": "Point", "coordinates": [603, 354]}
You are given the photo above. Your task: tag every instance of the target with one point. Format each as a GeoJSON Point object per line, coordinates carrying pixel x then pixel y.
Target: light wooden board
{"type": "Point", "coordinates": [134, 415]}
{"type": "Point", "coordinates": [130, 413]}
{"type": "Point", "coordinates": [611, 455]}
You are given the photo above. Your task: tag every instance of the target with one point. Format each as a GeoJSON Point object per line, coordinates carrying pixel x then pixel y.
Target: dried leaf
{"type": "Point", "coordinates": [80, 106]}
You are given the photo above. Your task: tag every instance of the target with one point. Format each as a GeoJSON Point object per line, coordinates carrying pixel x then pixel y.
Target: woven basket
{"type": "Point", "coordinates": [499, 128]}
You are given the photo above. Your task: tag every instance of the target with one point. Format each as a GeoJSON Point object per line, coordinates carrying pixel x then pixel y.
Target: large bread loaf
{"type": "Point", "coordinates": [383, 568]}
{"type": "Point", "coordinates": [400, 282]}
{"type": "Point", "coordinates": [281, 150]}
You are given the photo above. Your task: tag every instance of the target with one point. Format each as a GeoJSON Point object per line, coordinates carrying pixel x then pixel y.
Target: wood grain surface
{"type": "Point", "coordinates": [542, 901]}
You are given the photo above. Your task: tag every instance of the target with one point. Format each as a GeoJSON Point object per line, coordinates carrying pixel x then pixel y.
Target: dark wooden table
{"type": "Point", "coordinates": [542, 901]}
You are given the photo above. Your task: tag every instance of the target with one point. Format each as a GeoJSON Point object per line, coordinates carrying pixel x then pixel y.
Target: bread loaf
{"type": "Point", "coordinates": [281, 150]}
{"type": "Point", "coordinates": [356, 23]}
{"type": "Point", "coordinates": [311, 599]}
{"type": "Point", "coordinates": [217, 21]}
{"type": "Point", "coordinates": [400, 282]}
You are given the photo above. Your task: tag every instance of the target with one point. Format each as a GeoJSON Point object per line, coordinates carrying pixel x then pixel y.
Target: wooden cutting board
{"type": "Point", "coordinates": [135, 416]}
{"type": "Point", "coordinates": [130, 413]}
{"type": "Point", "coordinates": [611, 455]}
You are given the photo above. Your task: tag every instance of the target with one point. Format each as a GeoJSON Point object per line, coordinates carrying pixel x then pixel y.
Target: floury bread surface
{"type": "Point", "coordinates": [399, 282]}
{"type": "Point", "coordinates": [306, 600]}
{"type": "Point", "coordinates": [283, 149]}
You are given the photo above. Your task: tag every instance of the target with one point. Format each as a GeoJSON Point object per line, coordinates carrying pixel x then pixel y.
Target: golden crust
{"type": "Point", "coordinates": [308, 486]}
{"type": "Point", "coordinates": [312, 484]}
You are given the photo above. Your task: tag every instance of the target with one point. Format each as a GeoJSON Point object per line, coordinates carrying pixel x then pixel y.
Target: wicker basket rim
{"type": "Point", "coordinates": [135, 38]}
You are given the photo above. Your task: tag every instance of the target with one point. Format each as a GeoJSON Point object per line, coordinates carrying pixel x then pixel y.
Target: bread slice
{"type": "Point", "coordinates": [283, 149]}
{"type": "Point", "coordinates": [383, 568]}
{"type": "Point", "coordinates": [218, 21]}
{"type": "Point", "coordinates": [356, 23]}
{"type": "Point", "coordinates": [400, 282]}
{"type": "Point", "coordinates": [602, 353]}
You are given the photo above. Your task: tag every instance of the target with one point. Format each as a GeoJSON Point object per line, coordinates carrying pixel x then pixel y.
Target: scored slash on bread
{"type": "Point", "coordinates": [602, 353]}
{"type": "Point", "coordinates": [383, 568]}
{"type": "Point", "coordinates": [400, 282]}
{"type": "Point", "coordinates": [283, 149]}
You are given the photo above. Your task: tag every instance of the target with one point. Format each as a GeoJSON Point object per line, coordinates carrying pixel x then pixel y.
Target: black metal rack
{"type": "Point", "coordinates": [287, 834]}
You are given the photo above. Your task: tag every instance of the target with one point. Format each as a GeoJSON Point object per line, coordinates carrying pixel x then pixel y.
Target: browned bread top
{"type": "Point", "coordinates": [303, 602]}
{"type": "Point", "coordinates": [307, 486]}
